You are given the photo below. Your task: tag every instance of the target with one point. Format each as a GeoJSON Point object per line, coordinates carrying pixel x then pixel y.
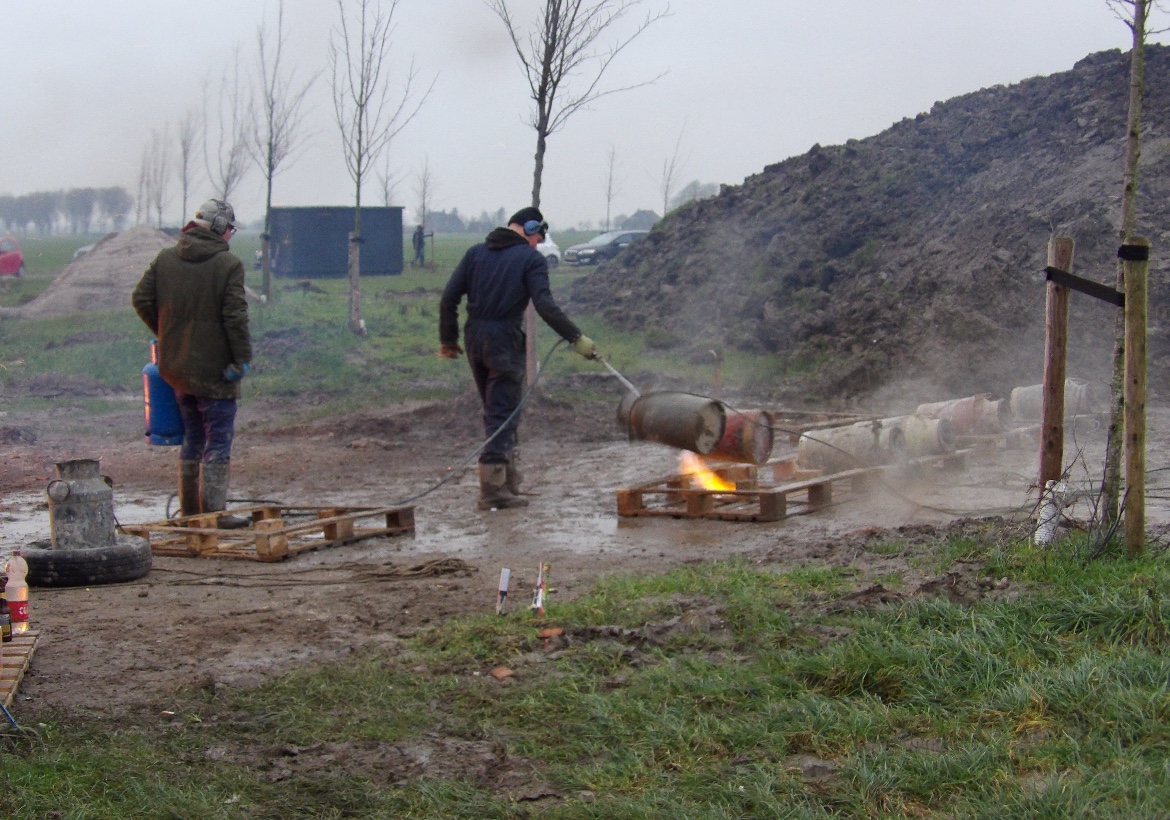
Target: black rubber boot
{"type": "Point", "coordinates": [213, 490]}
{"type": "Point", "coordinates": [512, 472]}
{"type": "Point", "coordinates": [188, 487]}
{"type": "Point", "coordinates": [493, 490]}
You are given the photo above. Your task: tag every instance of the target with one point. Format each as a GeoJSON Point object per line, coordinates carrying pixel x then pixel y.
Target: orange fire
{"type": "Point", "coordinates": [692, 465]}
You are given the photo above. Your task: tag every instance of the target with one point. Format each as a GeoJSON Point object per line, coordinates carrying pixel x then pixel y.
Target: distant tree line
{"type": "Point", "coordinates": [78, 211]}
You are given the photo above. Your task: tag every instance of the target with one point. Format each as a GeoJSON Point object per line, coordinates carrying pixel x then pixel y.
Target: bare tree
{"type": "Point", "coordinates": [231, 126]}
{"type": "Point", "coordinates": [367, 117]}
{"type": "Point", "coordinates": [611, 185]}
{"type": "Point", "coordinates": [79, 205]}
{"type": "Point", "coordinates": [154, 175]}
{"type": "Point", "coordinates": [671, 169]}
{"type": "Point", "coordinates": [388, 181]}
{"type": "Point", "coordinates": [564, 60]}
{"type": "Point", "coordinates": [276, 133]}
{"type": "Point", "coordinates": [1135, 14]}
{"type": "Point", "coordinates": [424, 191]}
{"type": "Point", "coordinates": [189, 128]}
{"type": "Point", "coordinates": [694, 190]}
{"type": "Point", "coordinates": [115, 205]}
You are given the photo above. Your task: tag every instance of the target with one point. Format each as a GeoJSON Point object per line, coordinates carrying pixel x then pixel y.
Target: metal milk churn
{"type": "Point", "coordinates": [81, 506]}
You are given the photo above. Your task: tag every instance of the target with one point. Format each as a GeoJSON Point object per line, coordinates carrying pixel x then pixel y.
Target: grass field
{"type": "Point", "coordinates": [302, 342]}
{"type": "Point", "coordinates": [722, 690]}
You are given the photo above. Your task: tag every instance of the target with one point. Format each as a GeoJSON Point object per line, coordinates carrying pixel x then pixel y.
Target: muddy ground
{"type": "Point", "coordinates": [222, 623]}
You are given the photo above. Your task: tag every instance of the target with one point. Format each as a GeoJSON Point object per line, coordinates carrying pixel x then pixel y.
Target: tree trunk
{"type": "Point", "coordinates": [532, 363]}
{"type": "Point", "coordinates": [355, 291]}
{"type": "Point", "coordinates": [1111, 485]}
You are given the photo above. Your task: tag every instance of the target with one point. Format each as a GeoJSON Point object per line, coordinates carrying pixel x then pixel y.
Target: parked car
{"type": "Point", "coordinates": [550, 250]}
{"type": "Point", "coordinates": [11, 259]}
{"type": "Point", "coordinates": [601, 247]}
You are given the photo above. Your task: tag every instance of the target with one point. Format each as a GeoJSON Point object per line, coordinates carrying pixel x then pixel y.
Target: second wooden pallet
{"type": "Point", "coordinates": [274, 534]}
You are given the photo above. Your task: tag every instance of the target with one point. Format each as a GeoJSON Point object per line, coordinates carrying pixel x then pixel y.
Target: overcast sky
{"type": "Point", "coordinates": [748, 83]}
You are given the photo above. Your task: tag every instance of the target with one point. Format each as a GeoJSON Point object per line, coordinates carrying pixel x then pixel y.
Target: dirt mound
{"type": "Point", "coordinates": [915, 256]}
{"type": "Point", "coordinates": [103, 278]}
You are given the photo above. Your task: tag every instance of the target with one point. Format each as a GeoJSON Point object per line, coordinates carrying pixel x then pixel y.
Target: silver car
{"type": "Point", "coordinates": [550, 250]}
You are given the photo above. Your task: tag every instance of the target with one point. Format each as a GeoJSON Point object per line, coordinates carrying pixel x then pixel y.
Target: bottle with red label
{"type": "Point", "coordinates": [16, 592]}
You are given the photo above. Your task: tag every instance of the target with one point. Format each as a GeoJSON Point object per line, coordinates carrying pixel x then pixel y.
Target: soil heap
{"type": "Point", "coordinates": [912, 262]}
{"type": "Point", "coordinates": [103, 278]}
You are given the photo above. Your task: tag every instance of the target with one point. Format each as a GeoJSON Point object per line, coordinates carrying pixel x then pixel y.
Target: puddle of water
{"type": "Point", "coordinates": [25, 517]}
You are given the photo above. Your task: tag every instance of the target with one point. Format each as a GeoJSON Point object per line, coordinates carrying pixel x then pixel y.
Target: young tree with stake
{"type": "Point", "coordinates": [359, 49]}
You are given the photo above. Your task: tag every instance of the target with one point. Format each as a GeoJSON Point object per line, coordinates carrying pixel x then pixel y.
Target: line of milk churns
{"type": "Point", "coordinates": [164, 425]}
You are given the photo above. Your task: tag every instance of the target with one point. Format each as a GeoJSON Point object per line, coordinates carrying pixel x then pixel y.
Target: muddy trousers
{"type": "Point", "coordinates": [495, 351]}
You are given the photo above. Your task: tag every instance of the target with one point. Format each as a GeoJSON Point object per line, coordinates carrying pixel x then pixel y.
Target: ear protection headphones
{"type": "Point", "coordinates": [532, 227]}
{"type": "Point", "coordinates": [219, 222]}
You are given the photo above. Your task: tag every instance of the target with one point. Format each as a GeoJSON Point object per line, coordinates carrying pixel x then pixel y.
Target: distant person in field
{"type": "Point", "coordinates": [420, 244]}
{"type": "Point", "coordinates": [499, 277]}
{"type": "Point", "coordinates": [192, 298]}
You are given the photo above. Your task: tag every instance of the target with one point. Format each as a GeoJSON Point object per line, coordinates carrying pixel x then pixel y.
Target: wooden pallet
{"type": "Point", "coordinates": [271, 535]}
{"type": "Point", "coordinates": [15, 657]}
{"type": "Point", "coordinates": [757, 495]}
{"type": "Point", "coordinates": [771, 492]}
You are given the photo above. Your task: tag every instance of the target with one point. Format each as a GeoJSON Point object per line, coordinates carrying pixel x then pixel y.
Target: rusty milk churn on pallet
{"type": "Point", "coordinates": [681, 420]}
{"type": "Point", "coordinates": [747, 438]}
{"type": "Point", "coordinates": [81, 506]}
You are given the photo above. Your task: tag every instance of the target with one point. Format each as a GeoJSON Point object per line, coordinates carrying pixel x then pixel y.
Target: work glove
{"type": "Point", "coordinates": [585, 346]}
{"type": "Point", "coordinates": [450, 351]}
{"type": "Point", "coordinates": [234, 372]}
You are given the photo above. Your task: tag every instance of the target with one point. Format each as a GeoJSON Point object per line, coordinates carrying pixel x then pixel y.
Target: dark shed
{"type": "Point", "coordinates": [313, 241]}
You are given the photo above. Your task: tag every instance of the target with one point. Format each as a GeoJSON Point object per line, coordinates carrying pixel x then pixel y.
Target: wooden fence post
{"type": "Point", "coordinates": [1135, 261]}
{"type": "Point", "coordinates": [1060, 256]}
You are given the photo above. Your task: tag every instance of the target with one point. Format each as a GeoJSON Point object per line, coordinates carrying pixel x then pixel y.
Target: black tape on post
{"type": "Point", "coordinates": [1134, 253]}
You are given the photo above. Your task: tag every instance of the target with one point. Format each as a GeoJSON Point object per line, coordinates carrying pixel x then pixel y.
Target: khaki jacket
{"type": "Point", "coordinates": [192, 297]}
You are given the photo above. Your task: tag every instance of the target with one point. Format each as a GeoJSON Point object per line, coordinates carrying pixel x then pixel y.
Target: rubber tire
{"type": "Point", "coordinates": [20, 271]}
{"type": "Point", "coordinates": [126, 560]}
{"type": "Point", "coordinates": [552, 261]}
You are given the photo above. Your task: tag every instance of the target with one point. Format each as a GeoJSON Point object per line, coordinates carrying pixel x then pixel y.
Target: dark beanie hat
{"type": "Point", "coordinates": [526, 215]}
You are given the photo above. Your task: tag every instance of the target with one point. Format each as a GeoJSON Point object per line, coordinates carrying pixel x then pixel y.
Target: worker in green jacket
{"type": "Point", "coordinates": [192, 298]}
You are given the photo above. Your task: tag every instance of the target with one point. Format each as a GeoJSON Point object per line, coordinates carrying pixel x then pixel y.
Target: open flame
{"type": "Point", "coordinates": [692, 465]}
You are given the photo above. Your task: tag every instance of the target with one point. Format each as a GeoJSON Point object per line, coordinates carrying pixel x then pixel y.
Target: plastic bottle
{"type": "Point", "coordinates": [16, 592]}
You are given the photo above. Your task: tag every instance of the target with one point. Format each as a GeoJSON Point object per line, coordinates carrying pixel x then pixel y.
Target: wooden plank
{"type": "Point", "coordinates": [15, 657]}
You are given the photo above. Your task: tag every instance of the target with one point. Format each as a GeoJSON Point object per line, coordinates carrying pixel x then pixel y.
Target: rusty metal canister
{"type": "Point", "coordinates": [922, 436]}
{"type": "Point", "coordinates": [973, 415]}
{"type": "Point", "coordinates": [81, 506]}
{"type": "Point", "coordinates": [747, 437]}
{"type": "Point", "coordinates": [682, 420]}
{"type": "Point", "coordinates": [841, 448]}
{"type": "Point", "coordinates": [1026, 402]}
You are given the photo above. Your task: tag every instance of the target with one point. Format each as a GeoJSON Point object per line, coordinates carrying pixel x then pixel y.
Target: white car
{"type": "Point", "coordinates": [550, 250]}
